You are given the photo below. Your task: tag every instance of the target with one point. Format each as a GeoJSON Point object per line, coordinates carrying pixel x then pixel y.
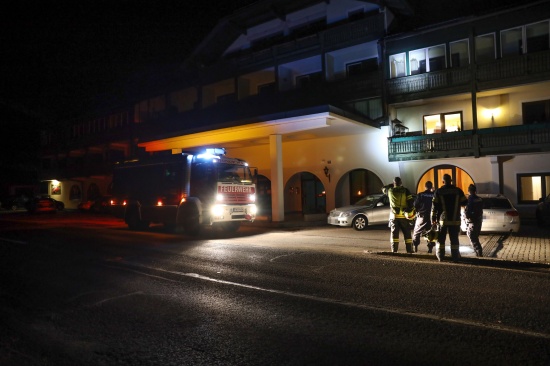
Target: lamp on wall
{"type": "Point", "coordinates": [327, 174]}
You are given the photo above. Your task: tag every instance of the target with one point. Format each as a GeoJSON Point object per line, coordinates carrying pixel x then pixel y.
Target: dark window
{"type": "Point", "coordinates": [232, 97]}
{"type": "Point", "coordinates": [356, 14]}
{"type": "Point", "coordinates": [361, 67]}
{"type": "Point", "coordinates": [437, 63]}
{"type": "Point", "coordinates": [267, 89]}
{"type": "Point", "coordinates": [536, 112]}
{"type": "Point", "coordinates": [306, 81]}
{"type": "Point", "coordinates": [309, 28]}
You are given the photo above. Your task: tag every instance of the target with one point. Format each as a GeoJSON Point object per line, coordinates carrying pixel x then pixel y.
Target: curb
{"type": "Point", "coordinates": [485, 261]}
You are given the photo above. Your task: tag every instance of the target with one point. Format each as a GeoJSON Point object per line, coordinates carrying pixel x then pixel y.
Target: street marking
{"type": "Point", "coordinates": [498, 327]}
{"type": "Point", "coordinates": [13, 241]}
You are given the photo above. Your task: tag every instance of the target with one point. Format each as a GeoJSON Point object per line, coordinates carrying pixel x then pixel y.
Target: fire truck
{"type": "Point", "coordinates": [184, 191]}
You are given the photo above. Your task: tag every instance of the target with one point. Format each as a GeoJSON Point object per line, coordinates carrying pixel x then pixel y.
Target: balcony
{"type": "Point", "coordinates": [483, 142]}
{"type": "Point", "coordinates": [501, 73]}
{"type": "Point", "coordinates": [340, 36]}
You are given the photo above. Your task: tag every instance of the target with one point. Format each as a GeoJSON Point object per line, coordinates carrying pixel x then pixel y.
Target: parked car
{"type": "Point", "coordinates": [373, 209]}
{"type": "Point", "coordinates": [42, 204]}
{"type": "Point", "coordinates": [60, 206]}
{"type": "Point", "coordinates": [14, 202]}
{"type": "Point", "coordinates": [543, 212]}
{"type": "Point", "coordinates": [499, 215]}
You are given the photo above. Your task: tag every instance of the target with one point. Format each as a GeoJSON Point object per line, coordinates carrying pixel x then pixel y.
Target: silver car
{"type": "Point", "coordinates": [373, 209]}
{"type": "Point", "coordinates": [499, 215]}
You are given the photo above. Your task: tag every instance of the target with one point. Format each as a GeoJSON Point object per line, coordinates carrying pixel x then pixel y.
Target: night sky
{"type": "Point", "coordinates": [59, 57]}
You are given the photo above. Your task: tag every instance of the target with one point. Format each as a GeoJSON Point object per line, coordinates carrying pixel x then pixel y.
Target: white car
{"type": "Point", "coordinates": [499, 215]}
{"type": "Point", "coordinates": [373, 209]}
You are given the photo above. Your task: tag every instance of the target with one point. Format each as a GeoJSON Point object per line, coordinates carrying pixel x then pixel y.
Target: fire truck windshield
{"type": "Point", "coordinates": [234, 173]}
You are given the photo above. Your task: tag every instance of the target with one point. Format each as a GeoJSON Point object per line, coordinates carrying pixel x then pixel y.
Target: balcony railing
{"type": "Point", "coordinates": [482, 142]}
{"type": "Point", "coordinates": [364, 30]}
{"type": "Point", "coordinates": [500, 73]}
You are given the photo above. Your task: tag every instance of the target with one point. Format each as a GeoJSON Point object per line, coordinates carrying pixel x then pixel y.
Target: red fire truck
{"type": "Point", "coordinates": [187, 191]}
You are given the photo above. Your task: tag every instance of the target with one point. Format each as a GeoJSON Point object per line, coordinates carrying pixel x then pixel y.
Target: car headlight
{"type": "Point", "coordinates": [346, 214]}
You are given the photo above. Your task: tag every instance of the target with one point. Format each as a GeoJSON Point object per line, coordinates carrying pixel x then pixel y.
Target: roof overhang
{"type": "Point", "coordinates": [305, 127]}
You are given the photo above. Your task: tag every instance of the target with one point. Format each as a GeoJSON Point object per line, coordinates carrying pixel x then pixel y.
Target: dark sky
{"type": "Point", "coordinates": [58, 56]}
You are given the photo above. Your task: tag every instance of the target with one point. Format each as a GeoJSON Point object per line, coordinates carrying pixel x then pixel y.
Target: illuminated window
{"type": "Point", "coordinates": [397, 65]}
{"type": "Point", "coordinates": [427, 60]}
{"type": "Point", "coordinates": [532, 187]}
{"type": "Point", "coordinates": [444, 122]}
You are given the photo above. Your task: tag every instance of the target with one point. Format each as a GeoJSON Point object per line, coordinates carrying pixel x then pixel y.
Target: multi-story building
{"type": "Point", "coordinates": [329, 100]}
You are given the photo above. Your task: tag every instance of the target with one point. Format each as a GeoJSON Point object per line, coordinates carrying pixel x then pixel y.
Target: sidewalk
{"type": "Point", "coordinates": [530, 246]}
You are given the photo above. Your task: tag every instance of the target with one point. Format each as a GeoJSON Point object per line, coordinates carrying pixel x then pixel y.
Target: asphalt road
{"type": "Point", "coordinates": [79, 289]}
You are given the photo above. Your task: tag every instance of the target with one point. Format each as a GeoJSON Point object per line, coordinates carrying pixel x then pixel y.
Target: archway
{"type": "Point", "coordinates": [305, 193]}
{"type": "Point", "coordinates": [461, 179]}
{"type": "Point", "coordinates": [93, 191]}
{"type": "Point", "coordinates": [355, 185]}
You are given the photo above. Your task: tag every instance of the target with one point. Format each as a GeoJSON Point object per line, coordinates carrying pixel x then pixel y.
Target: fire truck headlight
{"type": "Point", "coordinates": [219, 198]}
{"type": "Point", "coordinates": [253, 209]}
{"type": "Point", "coordinates": [252, 197]}
{"type": "Point", "coordinates": [217, 210]}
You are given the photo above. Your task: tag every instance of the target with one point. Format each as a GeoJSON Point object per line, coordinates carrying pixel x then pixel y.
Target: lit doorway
{"type": "Point", "coordinates": [461, 179]}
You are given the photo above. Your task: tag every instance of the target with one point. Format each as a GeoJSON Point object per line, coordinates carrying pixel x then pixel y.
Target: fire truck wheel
{"type": "Point", "coordinates": [192, 227]}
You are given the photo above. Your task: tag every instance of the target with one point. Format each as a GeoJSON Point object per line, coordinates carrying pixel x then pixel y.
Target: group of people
{"type": "Point", "coordinates": [434, 212]}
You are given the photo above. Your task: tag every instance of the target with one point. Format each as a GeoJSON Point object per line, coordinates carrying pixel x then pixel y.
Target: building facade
{"type": "Point", "coordinates": [329, 100]}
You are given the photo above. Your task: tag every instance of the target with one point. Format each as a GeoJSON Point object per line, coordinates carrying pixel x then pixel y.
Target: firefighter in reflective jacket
{"type": "Point", "coordinates": [474, 217]}
{"type": "Point", "coordinates": [446, 211]}
{"type": "Point", "coordinates": [401, 203]}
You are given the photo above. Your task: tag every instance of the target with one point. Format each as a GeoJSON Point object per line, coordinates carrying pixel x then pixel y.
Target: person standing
{"type": "Point", "coordinates": [446, 212]}
{"type": "Point", "coordinates": [474, 217]}
{"type": "Point", "coordinates": [423, 207]}
{"type": "Point", "coordinates": [401, 201]}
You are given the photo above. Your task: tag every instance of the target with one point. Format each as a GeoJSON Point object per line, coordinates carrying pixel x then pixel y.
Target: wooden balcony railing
{"type": "Point", "coordinates": [482, 142]}
{"type": "Point", "coordinates": [500, 73]}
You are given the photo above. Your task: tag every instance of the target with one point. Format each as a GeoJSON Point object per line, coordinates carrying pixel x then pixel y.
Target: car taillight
{"type": "Point", "coordinates": [512, 213]}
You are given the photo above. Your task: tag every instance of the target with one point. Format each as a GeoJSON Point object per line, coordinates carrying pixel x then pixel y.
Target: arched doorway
{"type": "Point", "coordinates": [461, 179]}
{"type": "Point", "coordinates": [355, 185]}
{"type": "Point", "coordinates": [305, 193]}
{"type": "Point", "coordinates": [93, 191]}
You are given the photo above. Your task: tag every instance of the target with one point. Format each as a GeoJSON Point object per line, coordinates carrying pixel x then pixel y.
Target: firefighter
{"type": "Point", "coordinates": [401, 202]}
{"type": "Point", "coordinates": [446, 212]}
{"type": "Point", "coordinates": [474, 217]}
{"type": "Point", "coordinates": [423, 207]}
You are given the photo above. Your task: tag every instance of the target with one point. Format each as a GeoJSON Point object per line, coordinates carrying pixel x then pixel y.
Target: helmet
{"type": "Point", "coordinates": [410, 215]}
{"type": "Point", "coordinates": [432, 234]}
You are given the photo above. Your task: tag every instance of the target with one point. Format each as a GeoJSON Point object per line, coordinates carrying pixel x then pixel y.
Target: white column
{"type": "Point", "coordinates": [495, 175]}
{"type": "Point", "coordinates": [277, 187]}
